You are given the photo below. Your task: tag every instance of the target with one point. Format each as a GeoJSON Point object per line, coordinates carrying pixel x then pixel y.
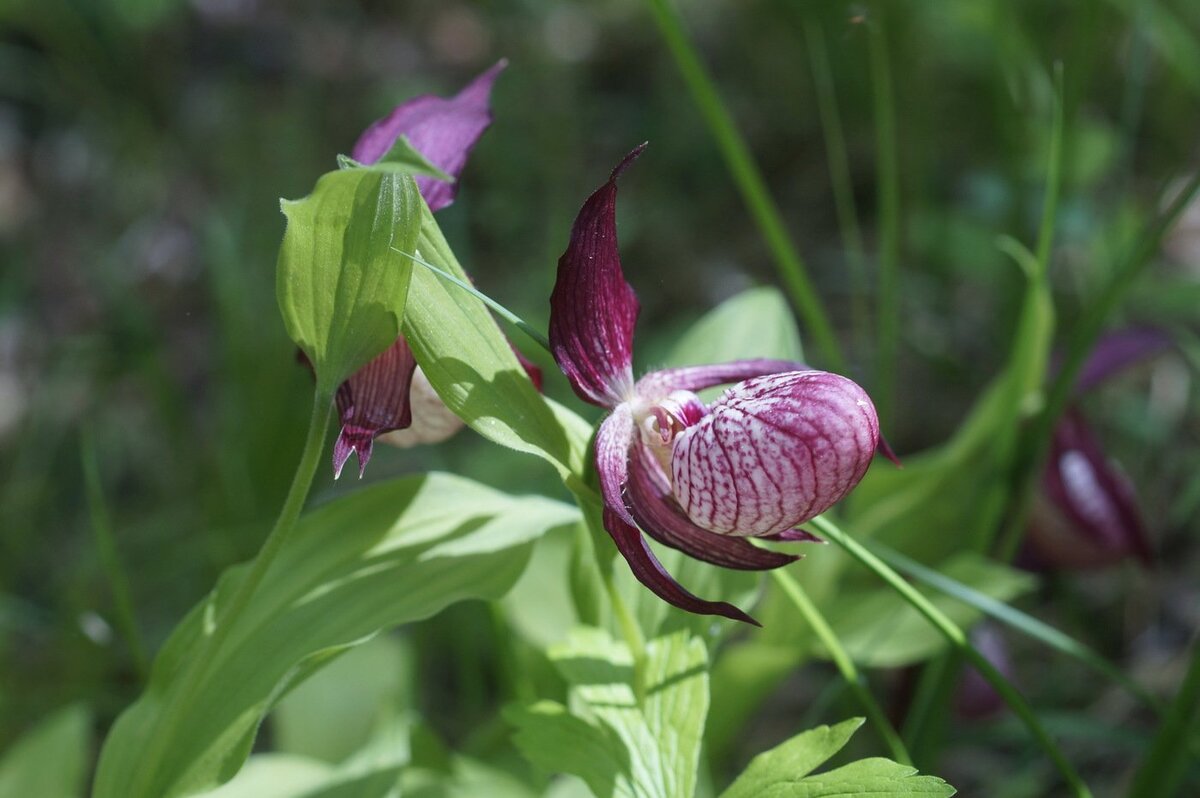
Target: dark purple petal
{"type": "Point", "coordinates": [661, 517]}
{"type": "Point", "coordinates": [444, 131]}
{"type": "Point", "coordinates": [650, 572]}
{"type": "Point", "coordinates": [373, 401]}
{"type": "Point", "coordinates": [592, 309]}
{"type": "Point", "coordinates": [697, 378]}
{"type": "Point", "coordinates": [432, 421]}
{"type": "Point", "coordinates": [774, 452]}
{"type": "Point", "coordinates": [1089, 516]}
{"type": "Point", "coordinates": [1119, 350]}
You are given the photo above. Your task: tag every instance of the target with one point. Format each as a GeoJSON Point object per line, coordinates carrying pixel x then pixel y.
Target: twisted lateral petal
{"type": "Point", "coordinates": [592, 309]}
{"type": "Point", "coordinates": [1099, 522]}
{"type": "Point", "coordinates": [774, 452]}
{"type": "Point", "coordinates": [650, 572]}
{"type": "Point", "coordinates": [612, 459]}
{"type": "Point", "coordinates": [659, 515]}
{"type": "Point", "coordinates": [444, 131]}
{"type": "Point", "coordinates": [697, 378]}
{"type": "Point", "coordinates": [373, 401]}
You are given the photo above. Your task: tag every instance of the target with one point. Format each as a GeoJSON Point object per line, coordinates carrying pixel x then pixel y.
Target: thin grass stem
{"type": "Point", "coordinates": [110, 558]}
{"type": "Point", "coordinates": [839, 181]}
{"type": "Point", "coordinates": [1167, 760]}
{"type": "Point", "coordinates": [750, 183]}
{"type": "Point", "coordinates": [959, 640]}
{"type": "Point", "coordinates": [845, 665]}
{"type": "Point", "coordinates": [888, 193]}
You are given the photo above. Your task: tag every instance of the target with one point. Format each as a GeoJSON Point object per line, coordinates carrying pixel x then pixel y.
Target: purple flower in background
{"type": "Point", "coordinates": [1087, 514]}
{"type": "Point", "coordinates": [377, 399]}
{"type": "Point", "coordinates": [778, 448]}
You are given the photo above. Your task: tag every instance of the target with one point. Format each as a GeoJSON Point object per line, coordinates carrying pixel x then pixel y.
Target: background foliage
{"type": "Point", "coordinates": [143, 149]}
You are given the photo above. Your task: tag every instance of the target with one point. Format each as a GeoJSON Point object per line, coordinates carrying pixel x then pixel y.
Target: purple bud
{"type": "Point", "coordinates": [373, 401]}
{"type": "Point", "coordinates": [444, 131]}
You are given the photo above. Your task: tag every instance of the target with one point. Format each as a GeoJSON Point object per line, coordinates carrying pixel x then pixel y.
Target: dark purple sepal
{"type": "Point", "coordinates": [697, 378]}
{"type": "Point", "coordinates": [659, 515]}
{"type": "Point", "coordinates": [613, 440]}
{"type": "Point", "coordinates": [373, 401]}
{"type": "Point", "coordinates": [885, 449]}
{"type": "Point", "coordinates": [443, 130]}
{"type": "Point", "coordinates": [1093, 519]}
{"type": "Point", "coordinates": [795, 536]}
{"type": "Point", "coordinates": [592, 309]}
{"type": "Point", "coordinates": [650, 572]}
{"type": "Point", "coordinates": [531, 369]}
{"type": "Point", "coordinates": [1118, 350]}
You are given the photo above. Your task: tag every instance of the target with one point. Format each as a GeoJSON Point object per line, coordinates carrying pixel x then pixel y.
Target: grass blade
{"type": "Point", "coordinates": [1169, 755]}
{"type": "Point", "coordinates": [845, 665]}
{"type": "Point", "coordinates": [749, 180]}
{"type": "Point", "coordinates": [959, 640]}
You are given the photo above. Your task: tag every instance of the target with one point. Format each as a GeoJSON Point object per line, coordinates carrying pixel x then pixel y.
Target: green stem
{"type": "Point", "coordinates": [1169, 755]}
{"type": "Point", "coordinates": [193, 678]}
{"type": "Point", "coordinates": [845, 665]}
{"type": "Point", "coordinates": [110, 558]}
{"type": "Point", "coordinates": [750, 183]}
{"type": "Point", "coordinates": [1061, 391]}
{"type": "Point", "coordinates": [888, 187]}
{"type": "Point", "coordinates": [503, 312]}
{"type": "Point", "coordinates": [958, 639]}
{"type": "Point", "coordinates": [839, 179]}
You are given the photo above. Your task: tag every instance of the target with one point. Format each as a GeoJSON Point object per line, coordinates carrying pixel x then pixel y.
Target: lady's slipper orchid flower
{"type": "Point", "coordinates": [778, 448]}
{"type": "Point", "coordinates": [1087, 514]}
{"type": "Point", "coordinates": [377, 399]}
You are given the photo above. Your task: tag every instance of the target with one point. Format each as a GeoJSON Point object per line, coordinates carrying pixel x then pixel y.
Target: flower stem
{"type": "Point", "coordinates": [750, 183]}
{"type": "Point", "coordinates": [192, 678]}
{"type": "Point", "coordinates": [958, 639]}
{"type": "Point", "coordinates": [845, 665]}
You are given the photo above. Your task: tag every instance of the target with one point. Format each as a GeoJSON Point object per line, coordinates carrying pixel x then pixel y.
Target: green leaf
{"type": "Point", "coordinates": [396, 552]}
{"type": "Point", "coordinates": [335, 713]}
{"type": "Point", "coordinates": [879, 629]}
{"type": "Point", "coordinates": [341, 282]}
{"type": "Point", "coordinates": [403, 159]}
{"type": "Point", "coordinates": [471, 365]}
{"type": "Point", "coordinates": [755, 323]}
{"type": "Point", "coordinates": [629, 731]}
{"type": "Point", "coordinates": [49, 761]}
{"type": "Point", "coordinates": [783, 772]}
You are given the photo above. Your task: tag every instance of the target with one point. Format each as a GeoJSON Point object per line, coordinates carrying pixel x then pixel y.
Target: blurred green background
{"type": "Point", "coordinates": [144, 147]}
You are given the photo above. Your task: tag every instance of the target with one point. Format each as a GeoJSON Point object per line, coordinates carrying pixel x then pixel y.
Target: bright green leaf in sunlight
{"type": "Point", "coordinates": [51, 760]}
{"type": "Point", "coordinates": [784, 771]}
{"type": "Point", "coordinates": [341, 281]}
{"type": "Point", "coordinates": [755, 323]}
{"type": "Point", "coordinates": [393, 553]}
{"type": "Point", "coordinates": [627, 731]}
{"type": "Point", "coordinates": [471, 364]}
{"type": "Point", "coordinates": [402, 158]}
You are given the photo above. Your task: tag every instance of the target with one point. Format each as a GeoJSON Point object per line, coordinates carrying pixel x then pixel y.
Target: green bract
{"type": "Point", "coordinates": [341, 281]}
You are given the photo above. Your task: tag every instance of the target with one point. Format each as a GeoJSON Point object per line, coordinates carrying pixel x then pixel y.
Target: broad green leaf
{"type": "Point", "coordinates": [754, 323]}
{"type": "Point", "coordinates": [952, 497]}
{"type": "Point", "coordinates": [472, 366]}
{"type": "Point", "coordinates": [334, 713]}
{"type": "Point", "coordinates": [784, 771]}
{"type": "Point", "coordinates": [879, 629]}
{"type": "Point", "coordinates": [372, 772]}
{"type": "Point", "coordinates": [628, 731]}
{"type": "Point", "coordinates": [341, 281]}
{"type": "Point", "coordinates": [393, 553]}
{"type": "Point", "coordinates": [49, 761]}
